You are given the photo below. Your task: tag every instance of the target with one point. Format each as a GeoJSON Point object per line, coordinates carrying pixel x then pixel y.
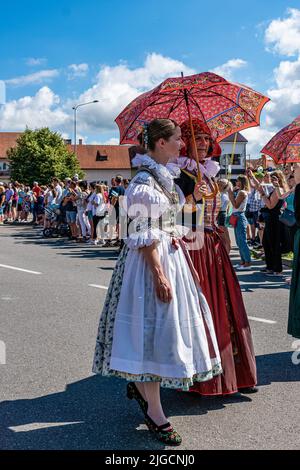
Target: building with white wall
{"type": "Point", "coordinates": [233, 165]}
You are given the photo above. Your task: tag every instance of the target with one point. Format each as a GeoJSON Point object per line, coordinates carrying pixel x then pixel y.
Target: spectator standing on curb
{"type": "Point", "coordinates": [99, 208]}
{"type": "Point", "coordinates": [15, 200]}
{"type": "Point", "coordinates": [2, 203]}
{"type": "Point", "coordinates": [239, 204]}
{"type": "Point", "coordinates": [89, 209]}
{"type": "Point", "coordinates": [254, 205]}
{"type": "Point", "coordinates": [8, 203]}
{"type": "Point", "coordinates": [224, 185]}
{"type": "Point", "coordinates": [71, 210]}
{"type": "Point", "coordinates": [81, 210]}
{"type": "Point", "coordinates": [114, 195]}
{"type": "Point", "coordinates": [36, 192]}
{"type": "Point", "coordinates": [272, 231]}
{"type": "Point", "coordinates": [58, 191]}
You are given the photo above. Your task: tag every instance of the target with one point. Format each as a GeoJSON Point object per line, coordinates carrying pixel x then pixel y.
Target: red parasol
{"type": "Point", "coordinates": [226, 107]}
{"type": "Point", "coordinates": [284, 147]}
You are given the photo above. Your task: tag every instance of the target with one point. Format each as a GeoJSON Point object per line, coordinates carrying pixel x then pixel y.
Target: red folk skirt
{"type": "Point", "coordinates": [223, 294]}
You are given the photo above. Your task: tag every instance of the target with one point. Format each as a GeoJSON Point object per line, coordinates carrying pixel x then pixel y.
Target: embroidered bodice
{"type": "Point", "coordinates": [187, 180]}
{"type": "Point", "coordinates": [152, 203]}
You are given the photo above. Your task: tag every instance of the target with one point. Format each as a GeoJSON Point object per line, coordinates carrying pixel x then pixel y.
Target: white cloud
{"type": "Point", "coordinates": [257, 138]}
{"type": "Point", "coordinates": [32, 62]}
{"type": "Point", "coordinates": [111, 141]}
{"type": "Point", "coordinates": [287, 73]}
{"type": "Point", "coordinates": [77, 70]}
{"type": "Point", "coordinates": [285, 95]}
{"type": "Point", "coordinates": [116, 86]}
{"type": "Point", "coordinates": [32, 78]}
{"type": "Point", "coordinates": [40, 110]}
{"type": "Point", "coordinates": [227, 70]}
{"type": "Point", "coordinates": [283, 35]}
{"type": "Point", "coordinates": [283, 108]}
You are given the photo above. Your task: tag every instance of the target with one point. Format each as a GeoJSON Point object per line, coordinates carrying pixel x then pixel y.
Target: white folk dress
{"type": "Point", "coordinates": [141, 338]}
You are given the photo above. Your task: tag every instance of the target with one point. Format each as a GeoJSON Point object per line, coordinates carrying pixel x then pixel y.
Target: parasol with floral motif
{"type": "Point", "coordinates": [284, 147]}
{"type": "Point", "coordinates": [225, 107]}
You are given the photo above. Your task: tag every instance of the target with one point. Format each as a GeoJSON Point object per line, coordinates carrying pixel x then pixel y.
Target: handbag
{"type": "Point", "coordinates": [233, 220]}
{"type": "Point", "coordinates": [287, 218]}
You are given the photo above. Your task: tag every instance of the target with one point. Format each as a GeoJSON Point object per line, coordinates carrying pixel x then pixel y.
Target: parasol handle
{"type": "Point", "coordinates": [199, 175]}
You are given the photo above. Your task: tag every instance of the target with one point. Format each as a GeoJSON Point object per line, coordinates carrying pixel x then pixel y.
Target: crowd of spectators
{"type": "Point", "coordinates": [260, 207]}
{"type": "Point", "coordinates": [90, 210]}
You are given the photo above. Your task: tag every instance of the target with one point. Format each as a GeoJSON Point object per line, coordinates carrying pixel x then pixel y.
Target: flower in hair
{"type": "Point", "coordinates": [145, 135]}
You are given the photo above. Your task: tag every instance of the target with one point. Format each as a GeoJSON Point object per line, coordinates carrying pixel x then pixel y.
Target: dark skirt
{"type": "Point", "coordinates": [223, 294]}
{"type": "Point", "coordinates": [294, 306]}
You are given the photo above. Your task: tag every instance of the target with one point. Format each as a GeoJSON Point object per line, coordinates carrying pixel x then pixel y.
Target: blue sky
{"type": "Point", "coordinates": [57, 53]}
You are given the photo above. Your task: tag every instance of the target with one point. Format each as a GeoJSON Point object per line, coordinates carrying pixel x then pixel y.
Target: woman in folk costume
{"type": "Point", "coordinates": [156, 328]}
{"type": "Point", "coordinates": [294, 305]}
{"type": "Point", "coordinates": [217, 277]}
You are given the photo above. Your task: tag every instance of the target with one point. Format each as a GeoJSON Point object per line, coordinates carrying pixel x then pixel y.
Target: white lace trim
{"type": "Point", "coordinates": [165, 174]}
{"type": "Point", "coordinates": [210, 167]}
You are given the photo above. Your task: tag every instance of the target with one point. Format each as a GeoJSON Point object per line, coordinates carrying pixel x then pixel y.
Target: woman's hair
{"type": "Point", "coordinates": [155, 130]}
{"type": "Point", "coordinates": [99, 188]}
{"type": "Point", "coordinates": [244, 182]}
{"type": "Point", "coordinates": [83, 185]}
{"type": "Point", "coordinates": [223, 184]}
{"type": "Point", "coordinates": [281, 179]}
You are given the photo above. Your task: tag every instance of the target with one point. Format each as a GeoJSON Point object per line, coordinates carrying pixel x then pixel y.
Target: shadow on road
{"type": "Point", "coordinates": [63, 246]}
{"type": "Point", "coordinates": [94, 413]}
{"type": "Point", "coordinates": [99, 417]}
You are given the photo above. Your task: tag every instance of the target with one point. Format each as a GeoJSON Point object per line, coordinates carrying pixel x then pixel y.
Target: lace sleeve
{"type": "Point", "coordinates": [144, 206]}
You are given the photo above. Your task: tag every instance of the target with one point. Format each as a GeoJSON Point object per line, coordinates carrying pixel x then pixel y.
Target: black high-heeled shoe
{"type": "Point", "coordinates": [132, 392]}
{"type": "Point", "coordinates": [164, 433]}
{"type": "Point", "coordinates": [248, 390]}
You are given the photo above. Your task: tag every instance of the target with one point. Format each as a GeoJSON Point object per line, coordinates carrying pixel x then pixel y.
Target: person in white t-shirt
{"type": "Point", "coordinates": [99, 212]}
{"type": "Point", "coordinates": [81, 203]}
{"type": "Point", "coordinates": [58, 191]}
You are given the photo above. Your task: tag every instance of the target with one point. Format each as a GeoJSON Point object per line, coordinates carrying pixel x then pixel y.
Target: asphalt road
{"type": "Point", "coordinates": [49, 399]}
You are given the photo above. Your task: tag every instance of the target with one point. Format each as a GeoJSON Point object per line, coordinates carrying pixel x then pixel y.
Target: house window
{"type": "Point", "coordinates": [236, 160]}
{"type": "Point", "coordinates": [100, 158]}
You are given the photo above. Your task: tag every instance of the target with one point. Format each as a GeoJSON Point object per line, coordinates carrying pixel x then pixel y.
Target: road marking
{"type": "Point", "coordinates": [98, 287]}
{"type": "Point", "coordinates": [262, 320]}
{"type": "Point", "coordinates": [35, 426]}
{"type": "Point", "coordinates": [19, 269]}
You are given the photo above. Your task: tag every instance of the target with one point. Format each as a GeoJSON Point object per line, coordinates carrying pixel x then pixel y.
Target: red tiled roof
{"type": "Point", "coordinates": [7, 140]}
{"type": "Point", "coordinates": [255, 162]}
{"type": "Point", "coordinates": [117, 157]}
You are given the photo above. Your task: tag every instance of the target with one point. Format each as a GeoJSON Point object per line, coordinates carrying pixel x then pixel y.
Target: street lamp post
{"type": "Point", "coordinates": [75, 116]}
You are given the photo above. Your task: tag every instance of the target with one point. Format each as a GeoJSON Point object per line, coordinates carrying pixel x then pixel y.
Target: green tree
{"type": "Point", "coordinates": [39, 155]}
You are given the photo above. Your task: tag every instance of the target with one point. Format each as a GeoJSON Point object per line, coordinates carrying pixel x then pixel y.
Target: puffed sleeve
{"type": "Point", "coordinates": [144, 206]}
